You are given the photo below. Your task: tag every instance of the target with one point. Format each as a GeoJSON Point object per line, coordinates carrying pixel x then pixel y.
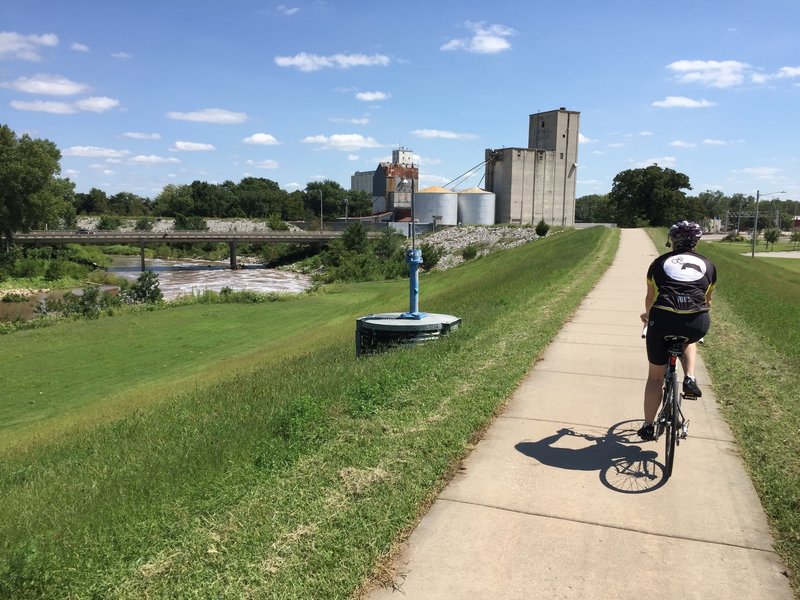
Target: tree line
{"type": "Point", "coordinates": [33, 196]}
{"type": "Point", "coordinates": [656, 196]}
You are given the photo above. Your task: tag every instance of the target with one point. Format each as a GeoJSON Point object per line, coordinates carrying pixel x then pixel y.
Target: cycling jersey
{"type": "Point", "coordinates": [682, 281]}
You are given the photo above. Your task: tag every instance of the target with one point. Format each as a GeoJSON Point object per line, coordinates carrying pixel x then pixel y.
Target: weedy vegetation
{"type": "Point", "coordinates": [241, 450]}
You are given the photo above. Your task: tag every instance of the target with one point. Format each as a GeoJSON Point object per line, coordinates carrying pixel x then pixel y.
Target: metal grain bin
{"type": "Point", "coordinates": [436, 202]}
{"type": "Point", "coordinates": [476, 207]}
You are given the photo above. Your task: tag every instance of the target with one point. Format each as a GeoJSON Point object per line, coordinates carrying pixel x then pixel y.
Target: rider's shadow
{"type": "Point", "coordinates": [623, 465]}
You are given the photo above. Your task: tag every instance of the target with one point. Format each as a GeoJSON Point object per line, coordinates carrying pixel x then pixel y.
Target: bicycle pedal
{"type": "Point", "coordinates": [684, 430]}
{"type": "Point", "coordinates": [688, 397]}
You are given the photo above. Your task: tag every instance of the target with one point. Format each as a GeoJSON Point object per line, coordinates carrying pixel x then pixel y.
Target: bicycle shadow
{"type": "Point", "coordinates": [623, 465]}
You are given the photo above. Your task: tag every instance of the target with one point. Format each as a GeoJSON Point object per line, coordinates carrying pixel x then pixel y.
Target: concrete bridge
{"type": "Point", "coordinates": [142, 238]}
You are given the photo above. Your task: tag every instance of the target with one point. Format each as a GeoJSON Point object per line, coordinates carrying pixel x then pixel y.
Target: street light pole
{"type": "Point", "coordinates": [755, 222]}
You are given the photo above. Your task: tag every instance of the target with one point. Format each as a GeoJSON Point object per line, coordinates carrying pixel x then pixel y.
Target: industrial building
{"type": "Point", "coordinates": [538, 182]}
{"type": "Point", "coordinates": [523, 185]}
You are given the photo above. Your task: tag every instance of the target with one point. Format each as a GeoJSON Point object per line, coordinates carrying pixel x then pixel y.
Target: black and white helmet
{"type": "Point", "coordinates": [684, 235]}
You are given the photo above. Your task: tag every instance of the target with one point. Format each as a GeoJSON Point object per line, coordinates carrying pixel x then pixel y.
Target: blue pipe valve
{"type": "Point", "coordinates": [414, 260]}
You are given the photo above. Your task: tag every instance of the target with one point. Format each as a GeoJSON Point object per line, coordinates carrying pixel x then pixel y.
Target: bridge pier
{"type": "Point", "coordinates": [232, 246]}
{"type": "Point", "coordinates": [141, 254]}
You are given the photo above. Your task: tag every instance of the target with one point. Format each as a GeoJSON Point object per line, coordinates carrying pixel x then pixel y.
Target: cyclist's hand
{"type": "Point", "coordinates": [643, 317]}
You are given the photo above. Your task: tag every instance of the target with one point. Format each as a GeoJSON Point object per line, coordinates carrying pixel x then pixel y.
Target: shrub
{"type": "Point", "coordinates": [14, 297]}
{"type": "Point", "coordinates": [469, 252]}
{"type": "Point", "coordinates": [189, 223]}
{"type": "Point", "coordinates": [144, 224]}
{"type": "Point", "coordinates": [146, 290]}
{"type": "Point", "coordinates": [109, 223]}
{"type": "Point", "coordinates": [771, 235]}
{"type": "Point", "coordinates": [275, 223]}
{"type": "Point", "coordinates": [542, 228]}
{"type": "Point", "coordinates": [430, 254]}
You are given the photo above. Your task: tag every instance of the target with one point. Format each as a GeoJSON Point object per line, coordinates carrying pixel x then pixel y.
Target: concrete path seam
{"type": "Point", "coordinates": [607, 526]}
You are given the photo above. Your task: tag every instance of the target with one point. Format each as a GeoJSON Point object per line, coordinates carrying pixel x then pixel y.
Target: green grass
{"type": "Point", "coordinates": [753, 356]}
{"type": "Point", "coordinates": [288, 470]}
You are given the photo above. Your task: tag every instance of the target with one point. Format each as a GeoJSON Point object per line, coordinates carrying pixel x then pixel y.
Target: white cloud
{"type": "Point", "coordinates": [352, 157]}
{"type": "Point", "coordinates": [121, 55]}
{"type": "Point", "coordinates": [788, 72]}
{"type": "Point", "coordinates": [438, 133]}
{"type": "Point", "coordinates": [714, 73]}
{"type": "Point", "coordinates": [616, 145]}
{"type": "Point", "coordinates": [79, 47]}
{"type": "Point", "coordinates": [97, 104]}
{"type": "Point", "coordinates": [712, 142]}
{"type": "Point", "coordinates": [682, 102]}
{"type": "Point", "coordinates": [263, 164]}
{"type": "Point", "coordinates": [56, 108]}
{"type": "Point", "coordinates": [663, 161]}
{"type": "Point", "coordinates": [682, 144]}
{"type": "Point", "coordinates": [152, 159]}
{"type": "Point", "coordinates": [260, 139]}
{"type": "Point", "coordinates": [70, 172]}
{"type": "Point", "coordinates": [425, 180]}
{"type": "Point", "coordinates": [355, 121]}
{"type": "Point", "coordinates": [582, 139]}
{"type": "Point", "coordinates": [25, 47]}
{"type": "Point", "coordinates": [192, 146]}
{"type": "Point", "coordinates": [485, 39]}
{"type": "Point", "coordinates": [50, 85]}
{"type": "Point", "coordinates": [94, 152]}
{"type": "Point", "coordinates": [210, 115]}
{"type": "Point", "coordinates": [759, 172]}
{"type": "Point", "coordinates": [314, 62]}
{"type": "Point", "coordinates": [646, 133]}
{"type": "Point", "coordinates": [346, 142]}
{"type": "Point", "coordinates": [136, 135]}
{"type": "Point", "coordinates": [372, 96]}
{"type": "Point", "coordinates": [283, 9]}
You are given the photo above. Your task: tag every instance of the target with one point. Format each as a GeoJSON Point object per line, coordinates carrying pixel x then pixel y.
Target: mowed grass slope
{"type": "Point", "coordinates": [291, 475]}
{"type": "Point", "coordinates": [753, 356]}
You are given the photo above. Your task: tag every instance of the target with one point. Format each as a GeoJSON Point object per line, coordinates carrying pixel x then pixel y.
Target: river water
{"type": "Point", "coordinates": [182, 278]}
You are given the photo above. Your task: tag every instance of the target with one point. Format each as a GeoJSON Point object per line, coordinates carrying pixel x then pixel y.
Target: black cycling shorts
{"type": "Point", "coordinates": [665, 322]}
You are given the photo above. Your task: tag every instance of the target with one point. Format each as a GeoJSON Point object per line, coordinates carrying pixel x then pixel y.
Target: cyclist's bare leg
{"type": "Point", "coordinates": [652, 391]}
{"type": "Point", "coordinates": [689, 359]}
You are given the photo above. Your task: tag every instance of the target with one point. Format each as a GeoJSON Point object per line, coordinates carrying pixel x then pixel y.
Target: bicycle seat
{"type": "Point", "coordinates": [675, 343]}
{"type": "Point", "coordinates": [674, 339]}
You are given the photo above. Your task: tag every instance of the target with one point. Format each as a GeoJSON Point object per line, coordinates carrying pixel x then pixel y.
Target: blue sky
{"type": "Point", "coordinates": [138, 95]}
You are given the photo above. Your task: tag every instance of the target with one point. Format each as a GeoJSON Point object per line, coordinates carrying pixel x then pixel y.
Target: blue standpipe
{"type": "Point", "coordinates": [414, 260]}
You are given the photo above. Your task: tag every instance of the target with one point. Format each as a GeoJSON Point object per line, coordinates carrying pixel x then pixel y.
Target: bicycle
{"type": "Point", "coordinates": [670, 419]}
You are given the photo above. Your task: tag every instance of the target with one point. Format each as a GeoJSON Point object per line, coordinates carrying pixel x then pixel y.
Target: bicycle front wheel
{"type": "Point", "coordinates": [671, 426]}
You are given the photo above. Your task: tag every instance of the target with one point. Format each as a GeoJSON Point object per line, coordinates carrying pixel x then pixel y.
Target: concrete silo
{"type": "Point", "coordinates": [476, 207]}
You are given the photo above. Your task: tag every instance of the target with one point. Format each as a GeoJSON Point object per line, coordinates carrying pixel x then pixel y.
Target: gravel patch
{"type": "Point", "coordinates": [453, 240]}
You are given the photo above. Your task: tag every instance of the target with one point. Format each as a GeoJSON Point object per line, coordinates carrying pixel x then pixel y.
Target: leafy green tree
{"type": "Point", "coordinates": [275, 223]}
{"type": "Point", "coordinates": [771, 235]}
{"type": "Point", "coordinates": [174, 199]}
{"type": "Point", "coordinates": [593, 208]}
{"type": "Point", "coordinates": [649, 196]}
{"type": "Point", "coordinates": [27, 169]}
{"type": "Point", "coordinates": [125, 203]}
{"type": "Point", "coordinates": [795, 239]}
{"type": "Point", "coordinates": [146, 290]}
{"type": "Point", "coordinates": [355, 238]}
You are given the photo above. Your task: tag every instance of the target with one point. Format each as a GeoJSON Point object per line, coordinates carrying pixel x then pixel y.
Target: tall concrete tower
{"type": "Point", "coordinates": [538, 182]}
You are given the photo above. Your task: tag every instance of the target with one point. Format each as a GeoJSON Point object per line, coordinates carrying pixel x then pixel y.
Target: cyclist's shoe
{"type": "Point", "coordinates": [690, 387]}
{"type": "Point", "coordinates": [646, 432]}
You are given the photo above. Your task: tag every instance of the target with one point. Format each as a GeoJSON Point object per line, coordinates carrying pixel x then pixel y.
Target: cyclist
{"type": "Point", "coordinates": [679, 288]}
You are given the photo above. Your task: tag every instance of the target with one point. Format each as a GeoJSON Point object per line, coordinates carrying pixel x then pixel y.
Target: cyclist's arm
{"type": "Point", "coordinates": [648, 300]}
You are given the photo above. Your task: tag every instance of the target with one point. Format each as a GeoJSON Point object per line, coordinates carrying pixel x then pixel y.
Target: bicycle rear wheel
{"type": "Point", "coordinates": [671, 426]}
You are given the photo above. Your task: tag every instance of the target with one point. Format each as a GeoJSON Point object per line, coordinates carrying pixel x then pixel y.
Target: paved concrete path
{"type": "Point", "coordinates": [561, 500]}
